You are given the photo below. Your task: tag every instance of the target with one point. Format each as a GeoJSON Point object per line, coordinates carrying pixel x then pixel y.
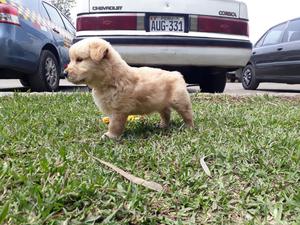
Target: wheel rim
{"type": "Point", "coordinates": [51, 72]}
{"type": "Point", "coordinates": [247, 76]}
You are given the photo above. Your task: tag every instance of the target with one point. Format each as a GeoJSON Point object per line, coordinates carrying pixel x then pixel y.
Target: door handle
{"type": "Point", "coordinates": [279, 49]}
{"type": "Point", "coordinates": [253, 53]}
{"type": "Point", "coordinates": [55, 30]}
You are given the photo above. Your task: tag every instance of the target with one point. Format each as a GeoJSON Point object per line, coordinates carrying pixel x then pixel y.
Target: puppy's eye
{"type": "Point", "coordinates": [78, 60]}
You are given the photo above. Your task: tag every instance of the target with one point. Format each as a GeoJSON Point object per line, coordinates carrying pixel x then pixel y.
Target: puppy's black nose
{"type": "Point", "coordinates": [65, 74]}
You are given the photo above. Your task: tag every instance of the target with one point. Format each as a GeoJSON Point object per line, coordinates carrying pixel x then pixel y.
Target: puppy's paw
{"type": "Point", "coordinates": [109, 135]}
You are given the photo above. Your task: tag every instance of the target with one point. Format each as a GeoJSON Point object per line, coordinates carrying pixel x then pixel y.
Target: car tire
{"type": "Point", "coordinates": [249, 80]}
{"type": "Point", "coordinates": [214, 82]}
{"type": "Point", "coordinates": [232, 80]}
{"type": "Point", "coordinates": [24, 82]}
{"type": "Point", "coordinates": [47, 76]}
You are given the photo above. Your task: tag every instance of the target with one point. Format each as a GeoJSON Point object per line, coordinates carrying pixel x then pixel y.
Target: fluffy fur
{"type": "Point", "coordinates": [120, 90]}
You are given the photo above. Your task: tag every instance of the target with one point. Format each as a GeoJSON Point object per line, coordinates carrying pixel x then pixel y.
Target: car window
{"type": "Point", "coordinates": [69, 26]}
{"type": "Point", "coordinates": [260, 41]}
{"type": "Point", "coordinates": [54, 15]}
{"type": "Point", "coordinates": [292, 32]}
{"type": "Point", "coordinates": [274, 35]}
{"type": "Point", "coordinates": [44, 13]}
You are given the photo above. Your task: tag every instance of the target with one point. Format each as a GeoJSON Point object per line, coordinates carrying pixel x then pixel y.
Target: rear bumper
{"type": "Point", "coordinates": [181, 51]}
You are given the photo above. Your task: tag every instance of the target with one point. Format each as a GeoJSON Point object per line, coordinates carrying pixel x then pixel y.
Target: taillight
{"type": "Point", "coordinates": [222, 25]}
{"type": "Point", "coordinates": [9, 14]}
{"type": "Point", "coordinates": [128, 22]}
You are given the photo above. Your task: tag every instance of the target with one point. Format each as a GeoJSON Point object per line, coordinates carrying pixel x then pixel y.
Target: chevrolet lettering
{"type": "Point", "coordinates": [107, 8]}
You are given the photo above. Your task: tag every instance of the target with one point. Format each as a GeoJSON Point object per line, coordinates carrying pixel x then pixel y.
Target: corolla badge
{"type": "Point", "coordinates": [227, 13]}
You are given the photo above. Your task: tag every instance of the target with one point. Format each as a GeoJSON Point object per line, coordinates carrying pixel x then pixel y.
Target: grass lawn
{"type": "Point", "coordinates": [251, 144]}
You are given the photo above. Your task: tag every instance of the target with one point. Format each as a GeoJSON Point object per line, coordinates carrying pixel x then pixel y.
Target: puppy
{"type": "Point", "coordinates": [120, 90]}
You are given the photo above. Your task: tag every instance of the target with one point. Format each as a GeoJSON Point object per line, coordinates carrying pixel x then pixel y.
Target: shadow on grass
{"type": "Point", "coordinates": [61, 89]}
{"type": "Point", "coordinates": [145, 130]}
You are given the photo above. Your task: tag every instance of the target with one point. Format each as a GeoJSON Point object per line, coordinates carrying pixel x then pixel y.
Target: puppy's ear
{"type": "Point", "coordinates": [98, 52]}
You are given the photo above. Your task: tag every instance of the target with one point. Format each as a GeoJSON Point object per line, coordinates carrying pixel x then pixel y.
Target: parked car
{"type": "Point", "coordinates": [203, 39]}
{"type": "Point", "coordinates": [34, 42]}
{"type": "Point", "coordinates": [275, 57]}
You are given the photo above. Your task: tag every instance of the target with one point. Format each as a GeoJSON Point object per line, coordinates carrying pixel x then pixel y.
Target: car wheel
{"type": "Point", "coordinates": [249, 81]}
{"type": "Point", "coordinates": [47, 76]}
{"type": "Point", "coordinates": [213, 83]}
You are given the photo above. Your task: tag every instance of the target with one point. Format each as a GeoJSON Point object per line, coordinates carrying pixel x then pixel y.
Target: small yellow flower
{"type": "Point", "coordinates": [133, 118]}
{"type": "Point", "coordinates": [129, 118]}
{"type": "Point", "coordinates": [105, 120]}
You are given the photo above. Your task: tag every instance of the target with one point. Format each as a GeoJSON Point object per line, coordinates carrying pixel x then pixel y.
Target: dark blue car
{"type": "Point", "coordinates": [34, 42]}
{"type": "Point", "coordinates": [275, 57]}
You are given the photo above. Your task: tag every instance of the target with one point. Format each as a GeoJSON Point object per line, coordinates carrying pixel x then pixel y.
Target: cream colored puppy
{"type": "Point", "coordinates": [120, 90]}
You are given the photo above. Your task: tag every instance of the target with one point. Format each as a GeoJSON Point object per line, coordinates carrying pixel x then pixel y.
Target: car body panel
{"type": "Point", "coordinates": [58, 37]}
{"type": "Point", "coordinates": [290, 58]}
{"type": "Point", "coordinates": [22, 44]}
{"type": "Point", "coordinates": [266, 57]}
{"type": "Point", "coordinates": [173, 56]}
{"type": "Point", "coordinates": [290, 50]}
{"type": "Point", "coordinates": [202, 7]}
{"type": "Point", "coordinates": [170, 51]}
{"type": "Point", "coordinates": [193, 48]}
{"type": "Point", "coordinates": [265, 60]}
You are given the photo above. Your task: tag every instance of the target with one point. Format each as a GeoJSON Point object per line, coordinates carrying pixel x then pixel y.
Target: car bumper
{"type": "Point", "coordinates": [181, 51]}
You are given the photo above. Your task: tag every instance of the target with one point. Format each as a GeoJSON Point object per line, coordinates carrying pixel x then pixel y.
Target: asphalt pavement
{"type": "Point", "coordinates": [8, 87]}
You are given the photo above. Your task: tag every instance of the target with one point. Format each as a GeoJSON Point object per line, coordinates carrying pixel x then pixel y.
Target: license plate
{"type": "Point", "coordinates": [166, 23]}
